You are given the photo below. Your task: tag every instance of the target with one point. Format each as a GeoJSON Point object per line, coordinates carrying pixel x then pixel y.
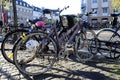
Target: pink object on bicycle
{"type": "Point", "coordinates": [40, 24]}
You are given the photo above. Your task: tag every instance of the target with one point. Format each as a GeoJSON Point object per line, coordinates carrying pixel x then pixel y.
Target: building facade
{"type": "Point", "coordinates": [37, 12]}
{"type": "Point", "coordinates": [103, 10]}
{"type": "Point", "coordinates": [24, 11]}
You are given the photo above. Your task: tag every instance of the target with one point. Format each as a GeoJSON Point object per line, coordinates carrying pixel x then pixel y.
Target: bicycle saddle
{"type": "Point", "coordinates": [115, 14]}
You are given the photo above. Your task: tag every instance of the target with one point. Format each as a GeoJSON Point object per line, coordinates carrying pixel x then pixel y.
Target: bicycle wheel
{"type": "Point", "coordinates": [38, 56]}
{"type": "Point", "coordinates": [8, 43]}
{"type": "Point", "coordinates": [114, 47]}
{"type": "Point", "coordinates": [106, 37]}
{"type": "Point", "coordinates": [93, 41]}
{"type": "Point", "coordinates": [82, 48]}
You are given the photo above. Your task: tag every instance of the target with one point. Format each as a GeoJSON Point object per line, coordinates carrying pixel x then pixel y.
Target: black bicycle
{"type": "Point", "coordinates": [109, 40]}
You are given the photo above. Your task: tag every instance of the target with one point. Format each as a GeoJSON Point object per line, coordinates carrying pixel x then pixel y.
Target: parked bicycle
{"type": "Point", "coordinates": [42, 49]}
{"type": "Point", "coordinates": [11, 37]}
{"type": "Point", "coordinates": [109, 40]}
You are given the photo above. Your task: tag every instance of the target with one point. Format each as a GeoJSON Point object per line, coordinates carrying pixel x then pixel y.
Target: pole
{"type": "Point", "coordinates": [15, 18]}
{"type": "Point", "coordinates": [2, 10]}
{"type": "Point", "coordinates": [14, 13]}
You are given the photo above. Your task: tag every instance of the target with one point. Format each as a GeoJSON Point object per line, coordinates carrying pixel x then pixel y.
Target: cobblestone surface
{"type": "Point", "coordinates": [96, 69]}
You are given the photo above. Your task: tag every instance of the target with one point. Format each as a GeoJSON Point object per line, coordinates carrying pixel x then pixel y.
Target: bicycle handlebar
{"type": "Point", "coordinates": [63, 9]}
{"type": "Point", "coordinates": [87, 14]}
{"type": "Point", "coordinates": [48, 11]}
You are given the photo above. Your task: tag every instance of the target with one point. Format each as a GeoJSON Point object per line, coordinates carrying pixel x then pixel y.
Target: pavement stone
{"type": "Point", "coordinates": [96, 69]}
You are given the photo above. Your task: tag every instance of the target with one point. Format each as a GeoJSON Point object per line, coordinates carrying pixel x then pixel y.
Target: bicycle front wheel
{"type": "Point", "coordinates": [92, 40]}
{"type": "Point", "coordinates": [37, 56]}
{"type": "Point", "coordinates": [107, 40]}
{"type": "Point", "coordinates": [114, 47]}
{"type": "Point", "coordinates": [82, 48]}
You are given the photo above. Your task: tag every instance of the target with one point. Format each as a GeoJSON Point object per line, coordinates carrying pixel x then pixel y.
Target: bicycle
{"type": "Point", "coordinates": [10, 39]}
{"type": "Point", "coordinates": [43, 49]}
{"type": "Point", "coordinates": [109, 40]}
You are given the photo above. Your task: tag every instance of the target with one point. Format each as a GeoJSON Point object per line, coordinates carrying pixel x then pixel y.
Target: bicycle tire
{"type": "Point", "coordinates": [8, 43]}
{"type": "Point", "coordinates": [114, 49]}
{"type": "Point", "coordinates": [105, 37]}
{"type": "Point", "coordinates": [40, 61]}
{"type": "Point", "coordinates": [82, 48]}
{"type": "Point", "coordinates": [93, 41]}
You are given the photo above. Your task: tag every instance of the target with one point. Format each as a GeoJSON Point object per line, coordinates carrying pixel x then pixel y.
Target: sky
{"type": "Point", "coordinates": [74, 5]}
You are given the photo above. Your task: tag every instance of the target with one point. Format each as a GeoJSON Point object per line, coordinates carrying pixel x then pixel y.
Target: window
{"type": "Point", "coordinates": [24, 4]}
{"type": "Point", "coordinates": [18, 9]}
{"type": "Point", "coordinates": [105, 0]}
{"type": "Point", "coordinates": [94, 21]}
{"type": "Point", "coordinates": [95, 9]}
{"type": "Point", "coordinates": [20, 3]}
{"type": "Point", "coordinates": [94, 1]}
{"type": "Point", "coordinates": [105, 10]}
{"type": "Point", "coordinates": [16, 2]}
{"type": "Point", "coordinates": [104, 20]}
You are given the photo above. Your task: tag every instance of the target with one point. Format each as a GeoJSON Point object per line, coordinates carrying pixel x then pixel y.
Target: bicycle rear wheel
{"type": "Point", "coordinates": [38, 56]}
{"type": "Point", "coordinates": [8, 43]}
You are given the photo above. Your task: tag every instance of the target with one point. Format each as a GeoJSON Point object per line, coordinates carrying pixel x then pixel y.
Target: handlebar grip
{"type": "Point", "coordinates": [63, 9]}
{"type": "Point", "coordinates": [67, 7]}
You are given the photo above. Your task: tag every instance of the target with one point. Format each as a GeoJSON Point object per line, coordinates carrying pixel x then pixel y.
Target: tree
{"type": "Point", "coordinates": [116, 4]}
{"type": "Point", "coordinates": [15, 18]}
{"type": "Point", "coordinates": [6, 4]}
{"type": "Point", "coordinates": [14, 13]}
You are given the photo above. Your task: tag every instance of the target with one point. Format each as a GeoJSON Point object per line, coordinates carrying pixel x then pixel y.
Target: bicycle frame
{"type": "Point", "coordinates": [74, 30]}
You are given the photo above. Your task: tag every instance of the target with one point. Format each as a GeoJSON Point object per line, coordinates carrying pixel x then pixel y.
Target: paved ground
{"type": "Point", "coordinates": [96, 69]}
